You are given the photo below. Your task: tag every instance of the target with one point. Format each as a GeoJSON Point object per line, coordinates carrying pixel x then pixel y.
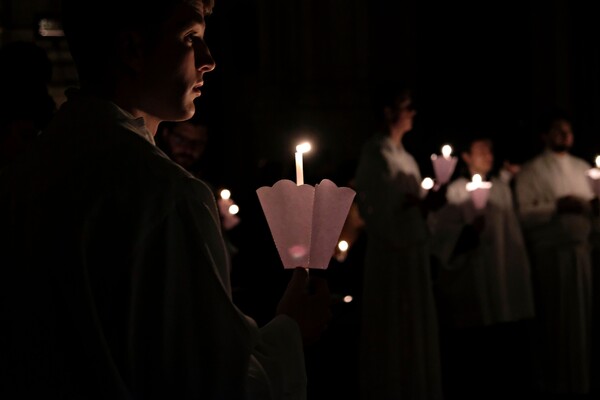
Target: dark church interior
{"type": "Point", "coordinates": [308, 70]}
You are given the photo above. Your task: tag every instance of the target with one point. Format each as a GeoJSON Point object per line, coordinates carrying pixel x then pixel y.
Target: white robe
{"type": "Point", "coordinates": [399, 339]}
{"type": "Point", "coordinates": [561, 267]}
{"type": "Point", "coordinates": [489, 283]}
{"type": "Point", "coordinates": [116, 278]}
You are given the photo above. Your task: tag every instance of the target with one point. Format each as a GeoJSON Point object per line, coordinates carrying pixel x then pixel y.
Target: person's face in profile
{"type": "Point", "coordinates": [173, 68]}
{"type": "Point", "coordinates": [402, 117]}
{"type": "Point", "coordinates": [186, 143]}
{"type": "Point", "coordinates": [479, 158]}
{"type": "Point", "coordinates": [560, 136]}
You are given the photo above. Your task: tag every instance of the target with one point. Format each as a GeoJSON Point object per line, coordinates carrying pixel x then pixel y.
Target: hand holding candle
{"type": "Point", "coordinates": [480, 191]}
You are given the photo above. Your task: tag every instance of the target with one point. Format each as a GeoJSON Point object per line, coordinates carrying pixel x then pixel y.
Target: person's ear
{"type": "Point", "coordinates": [131, 50]}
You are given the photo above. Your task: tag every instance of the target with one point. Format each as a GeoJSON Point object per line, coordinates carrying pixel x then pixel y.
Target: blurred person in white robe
{"type": "Point", "coordinates": [554, 205]}
{"type": "Point", "coordinates": [484, 288]}
{"type": "Point", "coordinates": [399, 349]}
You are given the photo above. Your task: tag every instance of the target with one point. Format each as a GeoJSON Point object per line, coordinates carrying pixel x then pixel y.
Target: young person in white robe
{"type": "Point", "coordinates": [399, 350]}
{"type": "Point", "coordinates": [114, 272]}
{"type": "Point", "coordinates": [554, 197]}
{"type": "Point", "coordinates": [484, 287]}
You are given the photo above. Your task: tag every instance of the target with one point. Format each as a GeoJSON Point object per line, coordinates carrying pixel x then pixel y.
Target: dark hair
{"type": "Point", "coordinates": [92, 31]}
{"type": "Point", "coordinates": [547, 120]}
{"type": "Point", "coordinates": [467, 139]}
{"type": "Point", "coordinates": [389, 96]}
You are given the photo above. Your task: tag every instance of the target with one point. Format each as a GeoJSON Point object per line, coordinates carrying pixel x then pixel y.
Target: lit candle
{"type": "Point", "coordinates": [225, 194]}
{"type": "Point", "coordinates": [227, 210]}
{"type": "Point", "coordinates": [444, 166]}
{"type": "Point", "coordinates": [343, 247]}
{"type": "Point", "coordinates": [446, 151]}
{"type": "Point", "coordinates": [427, 183]}
{"type": "Point", "coordinates": [479, 190]}
{"type": "Point", "coordinates": [300, 149]}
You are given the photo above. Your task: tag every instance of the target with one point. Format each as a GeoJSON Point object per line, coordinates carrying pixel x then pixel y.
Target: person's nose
{"type": "Point", "coordinates": [204, 60]}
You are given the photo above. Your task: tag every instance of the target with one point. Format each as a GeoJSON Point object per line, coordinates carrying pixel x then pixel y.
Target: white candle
{"type": "Point", "coordinates": [300, 149]}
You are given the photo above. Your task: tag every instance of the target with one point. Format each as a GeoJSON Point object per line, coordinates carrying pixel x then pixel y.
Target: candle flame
{"type": "Point", "coordinates": [477, 178]}
{"type": "Point", "coordinates": [303, 148]}
{"type": "Point", "coordinates": [234, 209]}
{"type": "Point", "coordinates": [598, 161]}
{"type": "Point", "coordinates": [446, 150]}
{"type": "Point", "coordinates": [427, 183]}
{"type": "Point", "coordinates": [347, 299]}
{"type": "Point", "coordinates": [343, 245]}
{"type": "Point", "coordinates": [225, 194]}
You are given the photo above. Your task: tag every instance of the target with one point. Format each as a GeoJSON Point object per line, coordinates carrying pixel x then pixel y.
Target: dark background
{"type": "Point", "coordinates": [295, 69]}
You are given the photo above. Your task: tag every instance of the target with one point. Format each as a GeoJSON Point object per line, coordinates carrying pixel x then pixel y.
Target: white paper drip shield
{"type": "Point", "coordinates": [305, 221]}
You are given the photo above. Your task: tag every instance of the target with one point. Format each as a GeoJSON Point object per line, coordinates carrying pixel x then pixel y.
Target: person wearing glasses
{"type": "Point", "coordinates": [399, 349]}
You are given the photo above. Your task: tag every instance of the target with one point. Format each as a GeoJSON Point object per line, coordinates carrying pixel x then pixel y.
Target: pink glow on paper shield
{"type": "Point", "coordinates": [305, 221]}
{"type": "Point", "coordinates": [480, 197]}
{"type": "Point", "coordinates": [480, 191]}
{"type": "Point", "coordinates": [298, 252]}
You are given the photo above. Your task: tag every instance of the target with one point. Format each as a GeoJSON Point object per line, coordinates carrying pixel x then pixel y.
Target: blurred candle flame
{"type": "Point", "coordinates": [446, 150]}
{"type": "Point", "coordinates": [225, 194]}
{"type": "Point", "coordinates": [427, 183]}
{"type": "Point", "coordinates": [303, 147]}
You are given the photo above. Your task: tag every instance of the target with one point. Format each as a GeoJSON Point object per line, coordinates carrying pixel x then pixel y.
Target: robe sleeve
{"type": "Point", "coordinates": [187, 338]}
{"type": "Point", "coordinates": [534, 206]}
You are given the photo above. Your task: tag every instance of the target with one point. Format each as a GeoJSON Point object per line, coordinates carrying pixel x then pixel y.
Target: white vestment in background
{"type": "Point", "coordinates": [490, 282]}
{"type": "Point", "coordinates": [561, 262]}
{"type": "Point", "coordinates": [399, 342]}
